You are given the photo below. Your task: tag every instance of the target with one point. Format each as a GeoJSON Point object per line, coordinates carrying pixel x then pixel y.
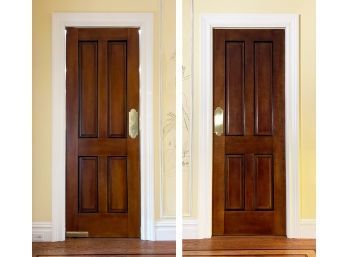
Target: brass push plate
{"type": "Point", "coordinates": [219, 121]}
{"type": "Point", "coordinates": [133, 123]}
{"type": "Point", "coordinates": [76, 234]}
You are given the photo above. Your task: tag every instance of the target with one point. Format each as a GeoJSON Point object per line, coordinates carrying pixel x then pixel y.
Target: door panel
{"type": "Point", "coordinates": [263, 88]}
{"type": "Point", "coordinates": [249, 158]}
{"type": "Point", "coordinates": [117, 184]}
{"type": "Point", "coordinates": [88, 76]}
{"type": "Point", "coordinates": [235, 181]}
{"type": "Point", "coordinates": [117, 78]}
{"type": "Point", "coordinates": [103, 168]}
{"type": "Point", "coordinates": [88, 184]}
{"type": "Point", "coordinates": [263, 182]}
{"type": "Point", "coordinates": [234, 88]}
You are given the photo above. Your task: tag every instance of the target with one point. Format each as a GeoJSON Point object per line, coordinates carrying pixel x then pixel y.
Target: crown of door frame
{"type": "Point", "coordinates": [145, 23]}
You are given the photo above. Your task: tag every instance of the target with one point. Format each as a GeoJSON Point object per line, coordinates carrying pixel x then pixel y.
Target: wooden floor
{"type": "Point", "coordinates": [217, 246]}
{"type": "Point", "coordinates": [104, 247]}
{"type": "Point", "coordinates": [250, 246]}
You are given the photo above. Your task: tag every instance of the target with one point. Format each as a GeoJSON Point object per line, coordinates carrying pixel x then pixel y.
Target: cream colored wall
{"type": "Point", "coordinates": [167, 109]}
{"type": "Point", "coordinates": [187, 45]}
{"type": "Point", "coordinates": [42, 11]}
{"type": "Point", "coordinates": [306, 9]}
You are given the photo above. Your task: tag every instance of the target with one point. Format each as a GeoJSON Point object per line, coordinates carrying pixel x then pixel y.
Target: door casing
{"type": "Point", "coordinates": [290, 23]}
{"type": "Point", "coordinates": [144, 21]}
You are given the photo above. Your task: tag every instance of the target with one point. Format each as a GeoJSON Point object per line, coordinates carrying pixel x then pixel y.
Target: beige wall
{"type": "Point", "coordinates": [42, 11]}
{"type": "Point", "coordinates": [306, 9]}
{"type": "Point", "coordinates": [167, 109]}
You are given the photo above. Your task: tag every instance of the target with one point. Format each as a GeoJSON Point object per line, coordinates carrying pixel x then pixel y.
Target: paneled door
{"type": "Point", "coordinates": [249, 132]}
{"type": "Point", "coordinates": [102, 141]}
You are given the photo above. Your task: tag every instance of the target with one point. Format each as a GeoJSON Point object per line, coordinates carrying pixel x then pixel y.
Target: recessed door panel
{"type": "Point", "coordinates": [88, 88]}
{"type": "Point", "coordinates": [263, 182]}
{"type": "Point", "coordinates": [234, 182]}
{"type": "Point", "coordinates": [263, 87]}
{"type": "Point", "coordinates": [234, 88]}
{"type": "Point", "coordinates": [117, 184]}
{"type": "Point", "coordinates": [88, 184]}
{"type": "Point", "coordinates": [117, 72]}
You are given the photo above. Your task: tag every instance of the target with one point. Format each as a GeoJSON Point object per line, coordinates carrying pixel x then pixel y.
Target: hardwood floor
{"type": "Point", "coordinates": [217, 246]}
{"type": "Point", "coordinates": [104, 247]}
{"type": "Point", "coordinates": [255, 253]}
{"type": "Point", "coordinates": [250, 246]}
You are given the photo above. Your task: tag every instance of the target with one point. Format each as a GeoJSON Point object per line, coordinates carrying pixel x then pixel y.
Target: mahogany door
{"type": "Point", "coordinates": [102, 169]}
{"type": "Point", "coordinates": [249, 155]}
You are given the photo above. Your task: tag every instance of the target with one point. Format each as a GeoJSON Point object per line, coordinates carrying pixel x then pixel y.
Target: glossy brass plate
{"type": "Point", "coordinates": [219, 121]}
{"type": "Point", "coordinates": [133, 123]}
{"type": "Point", "coordinates": [76, 234]}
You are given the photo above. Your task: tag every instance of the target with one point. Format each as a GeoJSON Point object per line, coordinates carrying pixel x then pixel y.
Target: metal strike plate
{"type": "Point", "coordinates": [219, 121]}
{"type": "Point", "coordinates": [76, 234]}
{"type": "Point", "coordinates": [133, 123]}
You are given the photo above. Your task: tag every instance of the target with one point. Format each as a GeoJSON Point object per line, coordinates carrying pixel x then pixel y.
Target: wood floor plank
{"type": "Point", "coordinates": [248, 243]}
{"type": "Point", "coordinates": [109, 255]}
{"type": "Point", "coordinates": [104, 246]}
{"type": "Point", "coordinates": [252, 253]}
{"type": "Point", "coordinates": [217, 246]}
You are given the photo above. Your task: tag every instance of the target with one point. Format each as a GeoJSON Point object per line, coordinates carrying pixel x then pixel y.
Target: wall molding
{"type": "Point", "coordinates": [144, 21]}
{"type": "Point", "coordinates": [41, 231]}
{"type": "Point", "coordinates": [290, 23]}
{"type": "Point", "coordinates": [165, 229]}
{"type": "Point", "coordinates": [306, 228]}
{"type": "Point", "coordinates": [190, 229]}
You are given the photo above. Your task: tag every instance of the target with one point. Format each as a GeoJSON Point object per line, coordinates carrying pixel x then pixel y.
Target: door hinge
{"type": "Point", "coordinates": [76, 234]}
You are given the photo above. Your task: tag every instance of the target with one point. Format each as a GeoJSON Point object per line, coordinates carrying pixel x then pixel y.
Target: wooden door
{"type": "Point", "coordinates": [249, 156]}
{"type": "Point", "coordinates": [102, 169]}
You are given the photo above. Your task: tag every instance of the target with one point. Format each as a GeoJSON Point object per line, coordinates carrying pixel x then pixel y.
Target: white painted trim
{"type": "Point", "coordinates": [145, 22]}
{"type": "Point", "coordinates": [165, 229]}
{"type": "Point", "coordinates": [290, 22]}
{"type": "Point", "coordinates": [41, 231]}
{"type": "Point", "coordinates": [306, 228]}
{"type": "Point", "coordinates": [190, 229]}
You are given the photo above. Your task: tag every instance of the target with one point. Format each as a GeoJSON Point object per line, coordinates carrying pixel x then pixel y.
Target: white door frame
{"type": "Point", "coordinates": [144, 21]}
{"type": "Point", "coordinates": [290, 23]}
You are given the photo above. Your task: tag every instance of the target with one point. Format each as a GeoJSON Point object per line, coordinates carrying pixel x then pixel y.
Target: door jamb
{"type": "Point", "coordinates": [290, 23]}
{"type": "Point", "coordinates": [144, 21]}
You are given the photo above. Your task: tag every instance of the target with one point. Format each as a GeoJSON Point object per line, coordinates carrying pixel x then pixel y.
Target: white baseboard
{"type": "Point", "coordinates": [307, 228]}
{"type": "Point", "coordinates": [165, 229]}
{"type": "Point", "coordinates": [302, 229]}
{"type": "Point", "coordinates": [42, 232]}
{"type": "Point", "coordinates": [190, 229]}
